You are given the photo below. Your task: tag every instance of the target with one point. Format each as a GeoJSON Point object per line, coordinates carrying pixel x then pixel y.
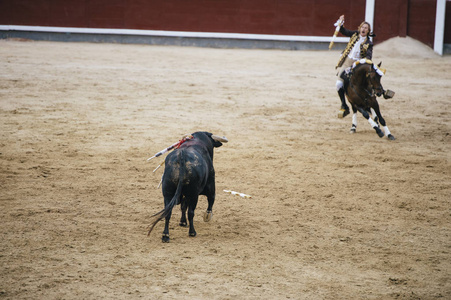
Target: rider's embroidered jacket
{"type": "Point", "coordinates": [366, 48]}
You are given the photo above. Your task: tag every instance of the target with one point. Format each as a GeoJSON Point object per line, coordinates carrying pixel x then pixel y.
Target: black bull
{"type": "Point", "coordinates": [188, 173]}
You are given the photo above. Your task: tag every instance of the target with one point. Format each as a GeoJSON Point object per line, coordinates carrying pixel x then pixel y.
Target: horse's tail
{"type": "Point", "coordinates": [175, 199]}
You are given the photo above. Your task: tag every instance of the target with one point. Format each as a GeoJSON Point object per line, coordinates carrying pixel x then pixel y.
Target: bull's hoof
{"type": "Point", "coordinates": [343, 113]}
{"type": "Point", "coordinates": [391, 137]}
{"type": "Point", "coordinates": [379, 132]}
{"type": "Point", "coordinates": [165, 238]}
{"type": "Point", "coordinates": [192, 234]}
{"type": "Point", "coordinates": [183, 224]}
{"type": "Point", "coordinates": [208, 215]}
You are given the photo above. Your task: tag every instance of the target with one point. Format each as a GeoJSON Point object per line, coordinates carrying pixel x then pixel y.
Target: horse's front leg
{"type": "Point", "coordinates": [386, 130]}
{"type": "Point", "coordinates": [388, 134]}
{"type": "Point", "coordinates": [354, 120]}
{"type": "Point", "coordinates": [376, 110]}
{"type": "Point", "coordinates": [373, 124]}
{"type": "Point", "coordinates": [375, 118]}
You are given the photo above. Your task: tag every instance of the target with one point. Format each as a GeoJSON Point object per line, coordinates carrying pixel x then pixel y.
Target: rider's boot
{"type": "Point", "coordinates": [344, 110]}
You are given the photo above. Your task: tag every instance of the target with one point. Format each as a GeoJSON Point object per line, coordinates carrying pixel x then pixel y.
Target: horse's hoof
{"type": "Point", "coordinates": [353, 129]}
{"type": "Point", "coordinates": [208, 215]}
{"type": "Point", "coordinates": [183, 224]}
{"type": "Point", "coordinates": [192, 234]}
{"type": "Point", "coordinates": [379, 132]}
{"type": "Point", "coordinates": [391, 137]}
{"type": "Point", "coordinates": [343, 113]}
{"type": "Point", "coordinates": [165, 238]}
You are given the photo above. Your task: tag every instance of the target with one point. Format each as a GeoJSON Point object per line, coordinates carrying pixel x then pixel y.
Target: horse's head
{"type": "Point", "coordinates": [374, 80]}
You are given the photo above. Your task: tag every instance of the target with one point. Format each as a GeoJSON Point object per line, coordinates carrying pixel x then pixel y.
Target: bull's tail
{"type": "Point", "coordinates": [174, 201]}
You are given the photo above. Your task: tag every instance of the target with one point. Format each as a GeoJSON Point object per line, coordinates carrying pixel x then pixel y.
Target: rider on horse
{"type": "Point", "coordinates": [359, 47]}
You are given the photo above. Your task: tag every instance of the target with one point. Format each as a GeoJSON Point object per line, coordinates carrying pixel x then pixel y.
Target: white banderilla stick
{"type": "Point", "coordinates": [337, 30]}
{"type": "Point", "coordinates": [239, 194]}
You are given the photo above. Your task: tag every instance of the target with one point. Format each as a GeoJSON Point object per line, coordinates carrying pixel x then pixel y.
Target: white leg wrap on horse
{"type": "Point", "coordinates": [354, 119]}
{"type": "Point", "coordinates": [373, 113]}
{"type": "Point", "coordinates": [339, 84]}
{"type": "Point", "coordinates": [372, 123]}
{"type": "Point", "coordinates": [387, 132]}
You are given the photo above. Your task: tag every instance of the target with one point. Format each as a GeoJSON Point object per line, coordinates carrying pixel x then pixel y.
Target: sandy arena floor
{"type": "Point", "coordinates": [333, 215]}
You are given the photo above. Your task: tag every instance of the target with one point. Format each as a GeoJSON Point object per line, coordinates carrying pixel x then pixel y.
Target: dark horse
{"type": "Point", "coordinates": [362, 86]}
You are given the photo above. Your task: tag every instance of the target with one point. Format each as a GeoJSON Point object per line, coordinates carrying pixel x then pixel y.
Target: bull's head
{"type": "Point", "coordinates": [210, 140]}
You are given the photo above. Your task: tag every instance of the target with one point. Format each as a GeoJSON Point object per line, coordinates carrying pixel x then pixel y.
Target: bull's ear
{"type": "Point", "coordinates": [217, 144]}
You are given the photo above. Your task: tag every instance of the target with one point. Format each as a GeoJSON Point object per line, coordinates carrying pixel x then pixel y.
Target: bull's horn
{"type": "Point", "coordinates": [217, 138]}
